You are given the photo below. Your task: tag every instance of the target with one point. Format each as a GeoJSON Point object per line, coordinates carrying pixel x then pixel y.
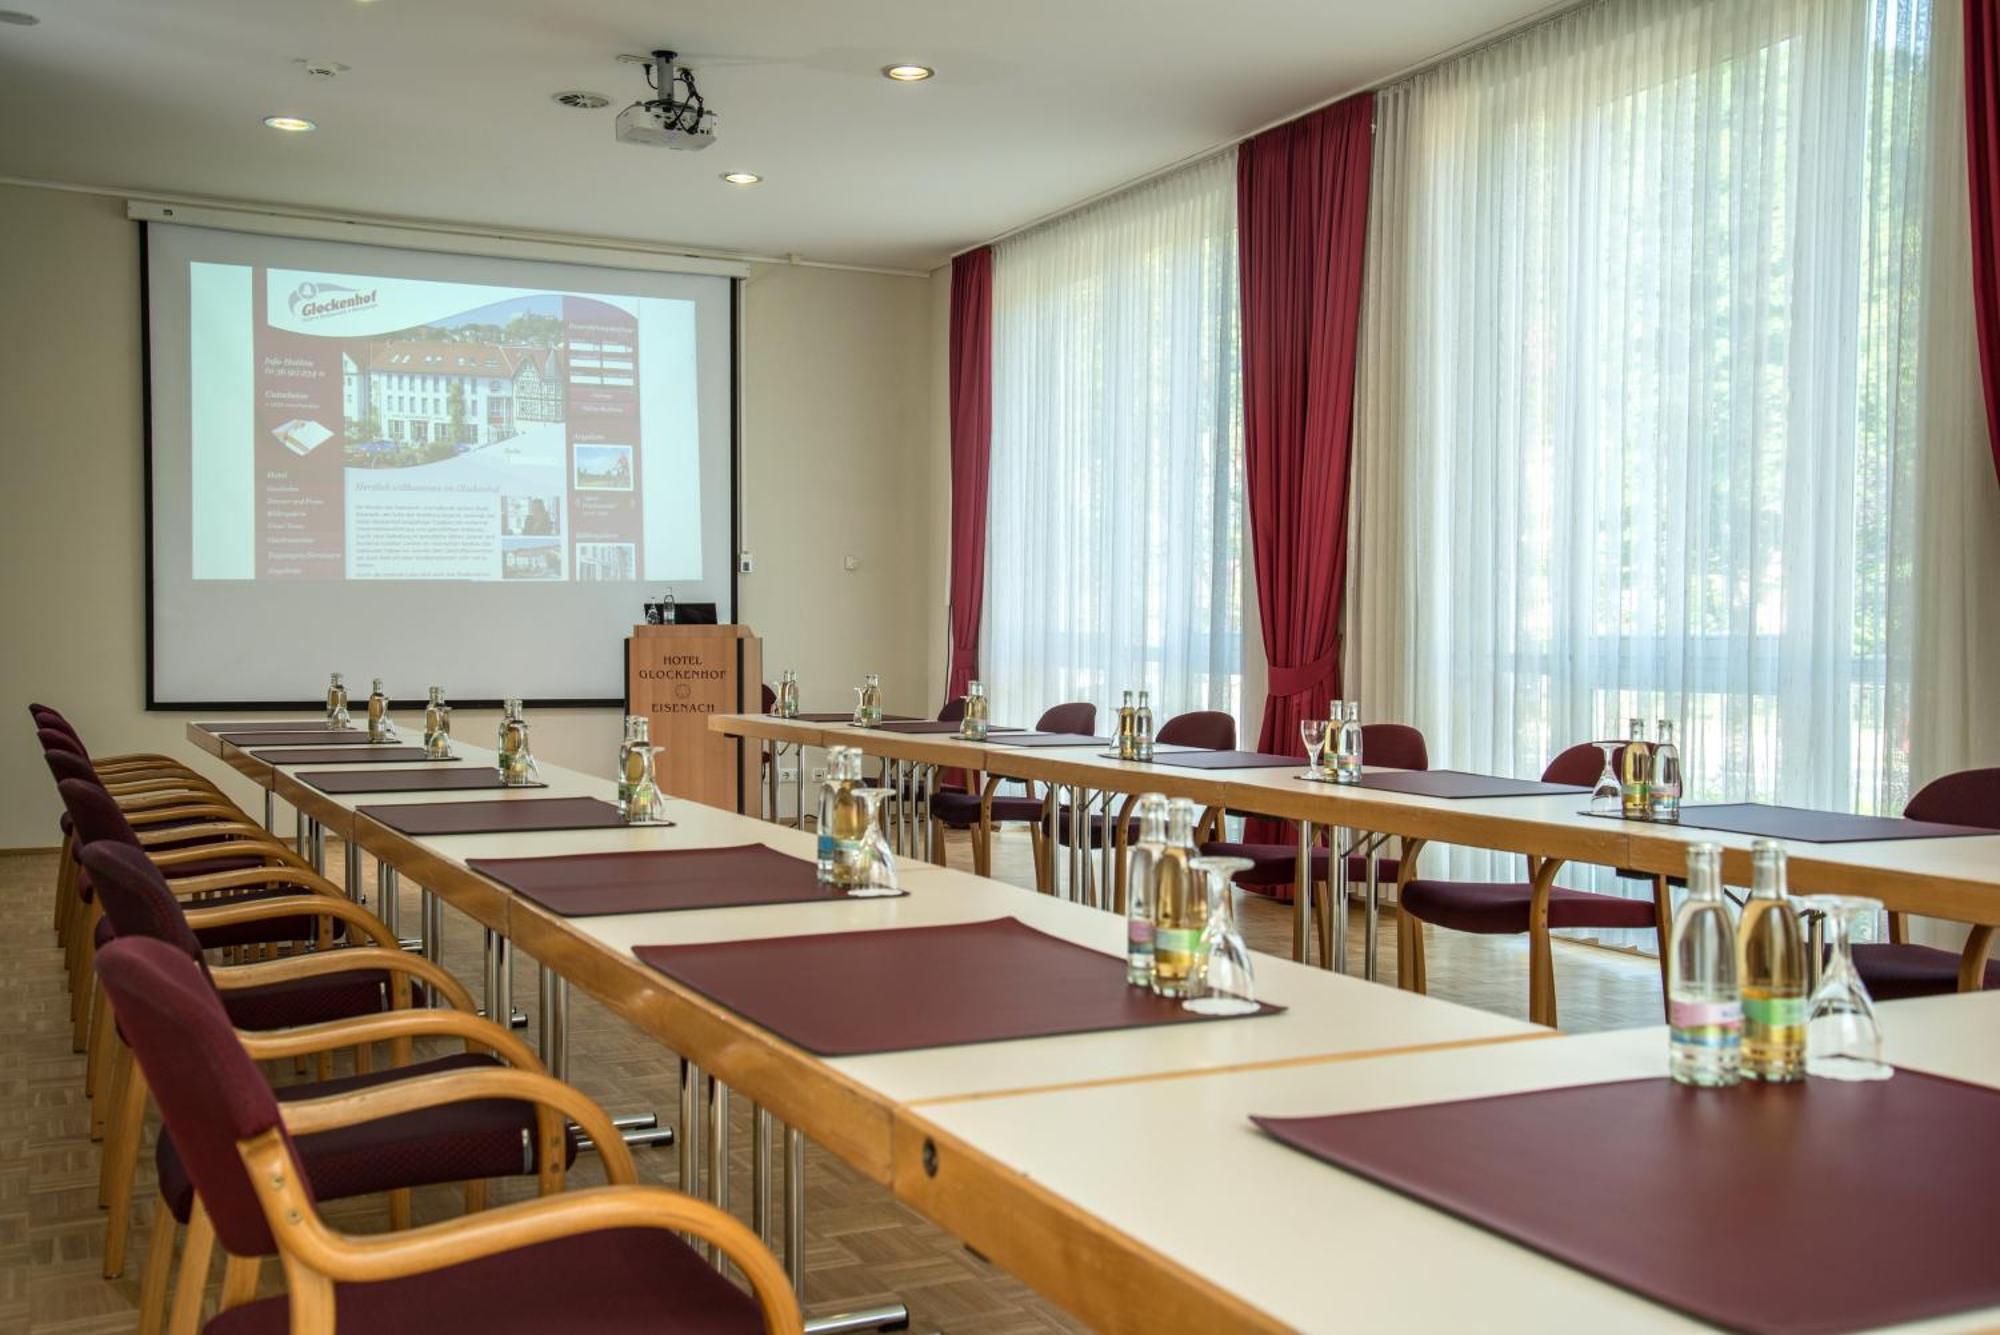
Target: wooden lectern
{"type": "Point", "coordinates": [676, 676]}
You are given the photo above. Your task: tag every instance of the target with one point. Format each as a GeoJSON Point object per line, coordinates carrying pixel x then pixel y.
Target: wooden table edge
{"type": "Point", "coordinates": [1097, 1272]}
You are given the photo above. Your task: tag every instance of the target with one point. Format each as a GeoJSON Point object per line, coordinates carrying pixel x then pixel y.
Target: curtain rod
{"type": "Point", "coordinates": [1491, 37]}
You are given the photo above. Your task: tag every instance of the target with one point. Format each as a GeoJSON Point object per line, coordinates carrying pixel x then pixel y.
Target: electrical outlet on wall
{"type": "Point", "coordinates": [746, 563]}
{"type": "Point", "coordinates": [850, 563]}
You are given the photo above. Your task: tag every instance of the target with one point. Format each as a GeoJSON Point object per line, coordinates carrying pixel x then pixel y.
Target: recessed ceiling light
{"type": "Point", "coordinates": [908, 73]}
{"type": "Point", "coordinates": [17, 18]}
{"type": "Point", "coordinates": [741, 178]}
{"type": "Point", "coordinates": [291, 124]}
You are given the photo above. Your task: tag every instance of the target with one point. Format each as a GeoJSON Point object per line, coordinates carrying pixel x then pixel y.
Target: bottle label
{"type": "Point", "coordinates": [1175, 940]}
{"type": "Point", "coordinates": [1711, 1024]}
{"type": "Point", "coordinates": [1139, 935]}
{"type": "Point", "coordinates": [1774, 1012]}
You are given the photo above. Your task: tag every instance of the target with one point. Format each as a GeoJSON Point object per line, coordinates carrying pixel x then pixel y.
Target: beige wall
{"type": "Point", "coordinates": [837, 459]}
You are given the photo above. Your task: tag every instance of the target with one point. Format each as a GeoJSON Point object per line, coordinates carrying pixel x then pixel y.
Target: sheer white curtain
{"type": "Point", "coordinates": [1641, 393]}
{"type": "Point", "coordinates": [1115, 516]}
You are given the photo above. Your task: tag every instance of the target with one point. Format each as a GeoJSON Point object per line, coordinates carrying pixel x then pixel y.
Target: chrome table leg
{"type": "Point", "coordinates": [690, 1145]}
{"type": "Point", "coordinates": [795, 1210]}
{"type": "Point", "coordinates": [718, 1144]}
{"type": "Point", "coordinates": [1302, 889]}
{"type": "Point", "coordinates": [1337, 911]}
{"type": "Point", "coordinates": [554, 1006]}
{"type": "Point", "coordinates": [317, 833]}
{"type": "Point", "coordinates": [270, 811]}
{"type": "Point", "coordinates": [762, 1124]}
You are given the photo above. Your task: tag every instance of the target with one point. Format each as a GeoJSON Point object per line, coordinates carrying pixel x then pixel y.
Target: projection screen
{"type": "Point", "coordinates": [427, 467]}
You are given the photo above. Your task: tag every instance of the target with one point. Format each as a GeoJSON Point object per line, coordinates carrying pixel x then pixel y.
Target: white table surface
{"type": "Point", "coordinates": [1322, 1249]}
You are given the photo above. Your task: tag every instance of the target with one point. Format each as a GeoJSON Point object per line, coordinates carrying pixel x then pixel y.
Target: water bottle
{"type": "Point", "coordinates": [1663, 791]}
{"type": "Point", "coordinates": [1347, 746]}
{"type": "Point", "coordinates": [1140, 867]}
{"type": "Point", "coordinates": [1142, 727]}
{"type": "Point", "coordinates": [1704, 1003]}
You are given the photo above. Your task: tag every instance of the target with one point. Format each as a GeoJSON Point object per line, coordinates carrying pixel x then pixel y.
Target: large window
{"type": "Point", "coordinates": [1115, 522]}
{"type": "Point", "coordinates": [1638, 417]}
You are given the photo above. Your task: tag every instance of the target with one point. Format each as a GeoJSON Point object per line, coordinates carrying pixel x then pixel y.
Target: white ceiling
{"type": "Point", "coordinates": [445, 113]}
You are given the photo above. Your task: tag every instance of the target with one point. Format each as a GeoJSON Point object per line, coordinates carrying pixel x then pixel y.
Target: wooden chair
{"type": "Point", "coordinates": [1535, 907]}
{"type": "Point", "coordinates": [469, 1143]}
{"type": "Point", "coordinates": [1899, 968]}
{"type": "Point", "coordinates": [602, 1259]}
{"type": "Point", "coordinates": [979, 812]}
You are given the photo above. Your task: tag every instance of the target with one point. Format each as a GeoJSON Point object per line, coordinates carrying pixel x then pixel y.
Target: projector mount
{"type": "Point", "coordinates": [678, 118]}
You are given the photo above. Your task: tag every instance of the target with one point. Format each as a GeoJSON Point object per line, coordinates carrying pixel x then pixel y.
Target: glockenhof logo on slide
{"type": "Point", "coordinates": [310, 301]}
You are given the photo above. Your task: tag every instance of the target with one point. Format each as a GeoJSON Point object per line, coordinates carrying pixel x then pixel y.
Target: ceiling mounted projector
{"type": "Point", "coordinates": [677, 118]}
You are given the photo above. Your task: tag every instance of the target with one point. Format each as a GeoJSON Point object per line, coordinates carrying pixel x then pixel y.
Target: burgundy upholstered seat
{"type": "Point", "coordinates": [617, 1282]}
{"type": "Point", "coordinates": [1389, 745]}
{"type": "Point", "coordinates": [1893, 970]}
{"type": "Point", "coordinates": [1501, 908]}
{"type": "Point", "coordinates": [459, 1142]}
{"type": "Point", "coordinates": [960, 810]}
{"type": "Point", "coordinates": [212, 1097]}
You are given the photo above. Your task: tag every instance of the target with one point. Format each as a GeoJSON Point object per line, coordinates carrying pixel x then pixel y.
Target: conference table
{"type": "Point", "coordinates": [1952, 878]}
{"type": "Point", "coordinates": [1044, 1154]}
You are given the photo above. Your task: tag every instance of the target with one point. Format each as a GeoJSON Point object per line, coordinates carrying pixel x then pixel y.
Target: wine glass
{"type": "Point", "coordinates": [1221, 982]}
{"type": "Point", "coordinates": [1843, 1038]}
{"type": "Point", "coordinates": [1608, 797]}
{"type": "Point", "coordinates": [876, 870]}
{"type": "Point", "coordinates": [1312, 731]}
{"type": "Point", "coordinates": [860, 719]}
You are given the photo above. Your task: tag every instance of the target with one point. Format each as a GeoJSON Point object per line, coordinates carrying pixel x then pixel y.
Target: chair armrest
{"type": "Point", "coordinates": [476, 1030]}
{"type": "Point", "coordinates": [273, 853]}
{"type": "Point", "coordinates": [346, 959]}
{"type": "Point", "coordinates": [303, 877]}
{"type": "Point", "coordinates": [307, 1116]}
{"type": "Point", "coordinates": [184, 807]}
{"type": "Point", "coordinates": [179, 787]}
{"type": "Point", "coordinates": [214, 829]}
{"type": "Point", "coordinates": [340, 1258]}
{"type": "Point", "coordinates": [297, 906]}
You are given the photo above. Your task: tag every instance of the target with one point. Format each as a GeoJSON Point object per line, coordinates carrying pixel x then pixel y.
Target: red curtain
{"type": "Point", "coordinates": [971, 447]}
{"type": "Point", "coordinates": [1302, 229]}
{"type": "Point", "coordinates": [1982, 142]}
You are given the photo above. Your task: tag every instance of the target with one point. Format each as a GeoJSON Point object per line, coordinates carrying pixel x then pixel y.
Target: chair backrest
{"type": "Point", "coordinates": [46, 717]}
{"type": "Point", "coordinates": [1969, 797]}
{"type": "Point", "coordinates": [54, 739]}
{"type": "Point", "coordinates": [1581, 764]}
{"type": "Point", "coordinates": [136, 897]}
{"type": "Point", "coordinates": [209, 1092]}
{"type": "Point", "coordinates": [92, 811]}
{"type": "Point", "coordinates": [1395, 746]}
{"type": "Point", "coordinates": [1210, 729]}
{"type": "Point", "coordinates": [770, 697]}
{"type": "Point", "coordinates": [953, 711]}
{"type": "Point", "coordinates": [1078, 717]}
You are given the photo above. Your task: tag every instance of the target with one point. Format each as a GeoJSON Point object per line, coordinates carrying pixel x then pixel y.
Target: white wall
{"type": "Point", "coordinates": [838, 458]}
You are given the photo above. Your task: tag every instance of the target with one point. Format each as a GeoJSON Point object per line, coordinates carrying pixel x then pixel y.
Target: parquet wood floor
{"type": "Point", "coordinates": [863, 1246]}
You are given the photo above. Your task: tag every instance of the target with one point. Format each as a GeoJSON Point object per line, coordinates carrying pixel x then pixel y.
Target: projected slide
{"type": "Point", "coordinates": [366, 427]}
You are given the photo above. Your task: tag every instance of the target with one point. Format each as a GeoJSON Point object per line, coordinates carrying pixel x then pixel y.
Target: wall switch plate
{"type": "Point", "coordinates": [850, 563]}
{"type": "Point", "coordinates": [745, 563]}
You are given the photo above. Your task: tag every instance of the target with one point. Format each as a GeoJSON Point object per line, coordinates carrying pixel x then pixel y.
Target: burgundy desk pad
{"type": "Point", "coordinates": [1456, 783]}
{"type": "Point", "coordinates": [426, 819]}
{"type": "Point", "coordinates": [590, 885]}
{"type": "Point", "coordinates": [1037, 739]}
{"type": "Point", "coordinates": [271, 725]}
{"type": "Point", "coordinates": [298, 737]}
{"type": "Point", "coordinates": [1224, 759]}
{"type": "Point", "coordinates": [1777, 1209]}
{"type": "Point", "coordinates": [371, 755]}
{"type": "Point", "coordinates": [406, 780]}
{"type": "Point", "coordinates": [846, 994]}
{"type": "Point", "coordinates": [844, 716]}
{"type": "Point", "coordinates": [1814, 827]}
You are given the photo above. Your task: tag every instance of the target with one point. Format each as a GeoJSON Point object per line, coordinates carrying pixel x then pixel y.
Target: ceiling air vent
{"type": "Point", "coordinates": [582, 101]}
